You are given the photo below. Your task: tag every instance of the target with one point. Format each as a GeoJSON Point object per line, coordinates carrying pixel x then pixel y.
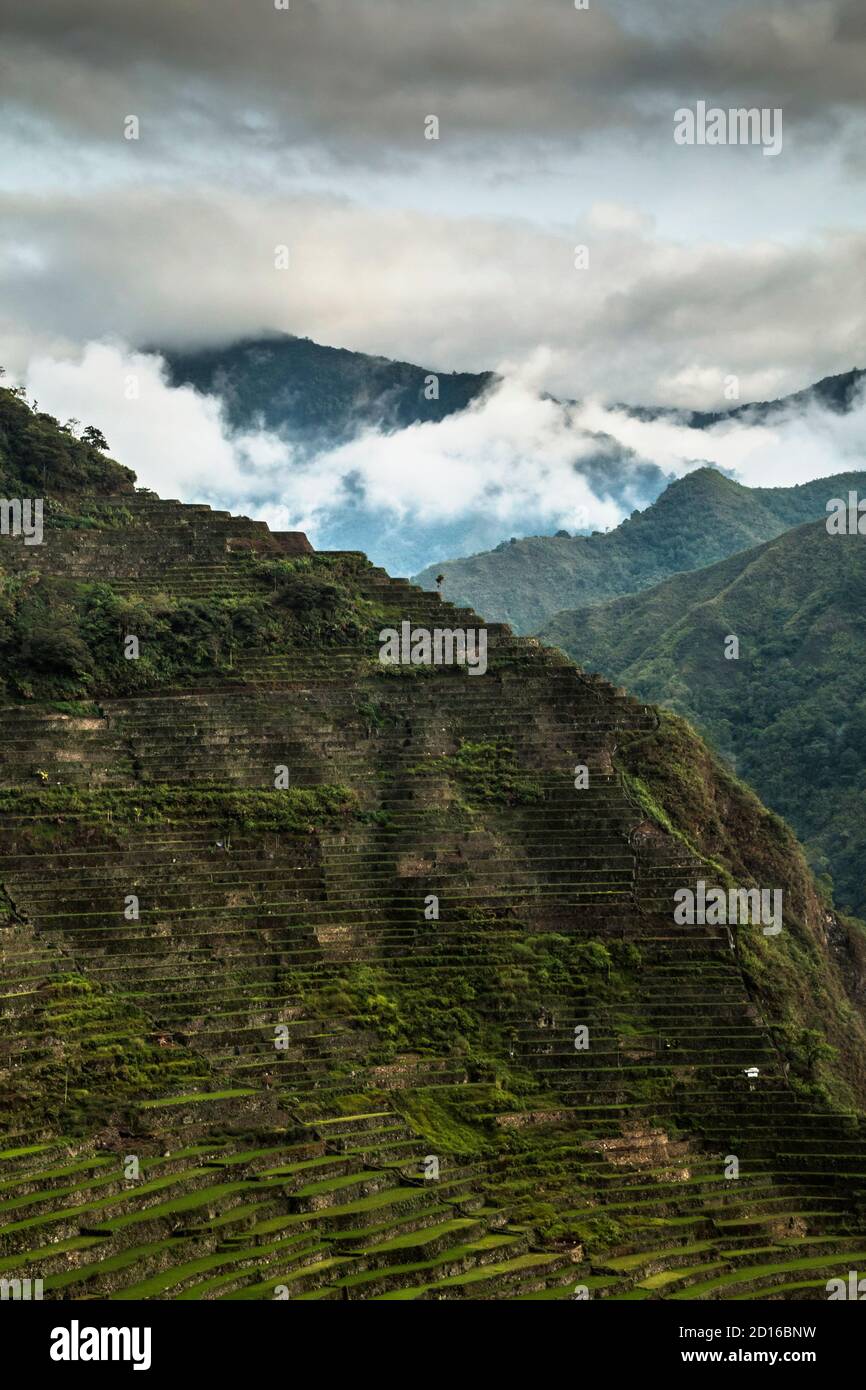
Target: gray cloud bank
{"type": "Point", "coordinates": [361, 75]}
{"type": "Point", "coordinates": [303, 127]}
{"type": "Point", "coordinates": [652, 319]}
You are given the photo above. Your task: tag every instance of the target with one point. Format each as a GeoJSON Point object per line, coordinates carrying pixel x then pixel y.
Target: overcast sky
{"type": "Point", "coordinates": [305, 127]}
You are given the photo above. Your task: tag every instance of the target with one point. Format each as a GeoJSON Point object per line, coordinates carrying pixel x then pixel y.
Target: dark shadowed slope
{"type": "Point", "coordinates": [319, 396]}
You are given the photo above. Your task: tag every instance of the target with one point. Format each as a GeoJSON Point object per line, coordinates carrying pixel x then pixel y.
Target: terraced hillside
{"type": "Point", "coordinates": [243, 1057]}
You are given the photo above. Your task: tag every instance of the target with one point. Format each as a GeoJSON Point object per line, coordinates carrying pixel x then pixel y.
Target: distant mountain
{"type": "Point", "coordinates": [837, 393]}
{"type": "Point", "coordinates": [790, 712]}
{"type": "Point", "coordinates": [322, 396]}
{"type": "Point", "coordinates": [319, 396]}
{"type": "Point", "coordinates": [698, 520]}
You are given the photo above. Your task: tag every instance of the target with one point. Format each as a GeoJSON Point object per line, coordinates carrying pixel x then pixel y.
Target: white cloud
{"type": "Point", "coordinates": [795, 446]}
{"type": "Point", "coordinates": [512, 454]}
{"type": "Point", "coordinates": [509, 454]}
{"type": "Point", "coordinates": [512, 460]}
{"type": "Point", "coordinates": [174, 439]}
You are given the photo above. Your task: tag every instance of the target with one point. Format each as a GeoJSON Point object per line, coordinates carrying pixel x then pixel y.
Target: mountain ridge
{"type": "Point", "coordinates": [322, 396]}
{"type": "Point", "coordinates": [698, 520]}
{"type": "Point", "coordinates": [229, 368]}
{"type": "Point", "coordinates": [790, 712]}
{"type": "Point", "coordinates": [320, 399]}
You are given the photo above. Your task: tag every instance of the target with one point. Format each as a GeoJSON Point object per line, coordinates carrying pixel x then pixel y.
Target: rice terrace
{"type": "Point", "coordinates": [432, 680]}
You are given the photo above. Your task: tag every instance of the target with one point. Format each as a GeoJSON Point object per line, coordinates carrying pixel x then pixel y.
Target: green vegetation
{"type": "Point", "coordinates": [688, 791]}
{"type": "Point", "coordinates": [489, 773]}
{"type": "Point", "coordinates": [319, 395]}
{"type": "Point", "coordinates": [697, 520]}
{"type": "Point", "coordinates": [99, 1059]}
{"type": "Point", "coordinates": [790, 713]}
{"type": "Point", "coordinates": [66, 639]}
{"type": "Point", "coordinates": [296, 810]}
{"type": "Point", "coordinates": [38, 453]}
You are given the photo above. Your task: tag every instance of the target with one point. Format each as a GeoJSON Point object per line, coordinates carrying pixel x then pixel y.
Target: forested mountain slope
{"type": "Point", "coordinates": [319, 396]}
{"type": "Point", "coordinates": [698, 520]}
{"type": "Point", "coordinates": [790, 711]}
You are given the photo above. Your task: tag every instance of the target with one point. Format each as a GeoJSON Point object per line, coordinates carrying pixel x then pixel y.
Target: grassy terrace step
{"type": "Point", "coordinates": [467, 1284]}
{"type": "Point", "coordinates": [454, 1259]}
{"type": "Point", "coordinates": [725, 1284]}
{"type": "Point", "coordinates": [804, 1287]}
{"type": "Point", "coordinates": [236, 1264]}
{"type": "Point", "coordinates": [427, 1237]}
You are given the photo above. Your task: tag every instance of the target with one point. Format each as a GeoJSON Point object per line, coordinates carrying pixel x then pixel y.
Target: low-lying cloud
{"type": "Point", "coordinates": [515, 463]}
